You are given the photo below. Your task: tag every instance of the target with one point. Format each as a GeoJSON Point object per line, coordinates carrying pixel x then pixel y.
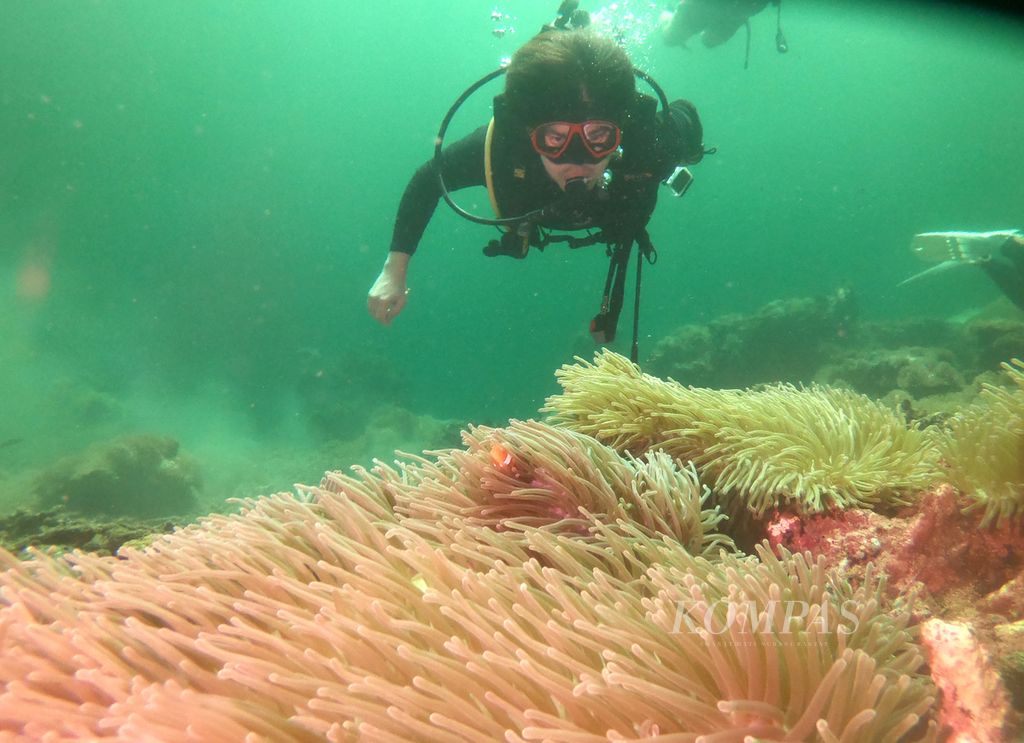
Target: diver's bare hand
{"type": "Point", "coordinates": [389, 293]}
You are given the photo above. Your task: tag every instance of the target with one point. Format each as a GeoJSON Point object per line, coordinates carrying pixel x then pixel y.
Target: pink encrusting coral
{"type": "Point", "coordinates": [967, 581]}
{"type": "Point", "coordinates": [975, 706]}
{"type": "Point", "coordinates": [935, 549]}
{"type": "Point", "coordinates": [447, 600]}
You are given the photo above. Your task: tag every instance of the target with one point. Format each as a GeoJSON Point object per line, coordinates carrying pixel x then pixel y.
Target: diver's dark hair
{"type": "Point", "coordinates": [567, 73]}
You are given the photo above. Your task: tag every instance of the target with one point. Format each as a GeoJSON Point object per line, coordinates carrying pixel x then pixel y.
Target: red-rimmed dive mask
{"type": "Point", "coordinates": [596, 138]}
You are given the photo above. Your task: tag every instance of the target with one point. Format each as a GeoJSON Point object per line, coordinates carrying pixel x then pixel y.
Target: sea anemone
{"type": "Point", "coordinates": [810, 449]}
{"type": "Point", "coordinates": [984, 449]}
{"type": "Point", "coordinates": [398, 605]}
{"type": "Point", "coordinates": [533, 474]}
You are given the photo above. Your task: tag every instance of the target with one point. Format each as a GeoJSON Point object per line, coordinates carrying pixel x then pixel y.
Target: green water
{"type": "Point", "coordinates": [196, 196]}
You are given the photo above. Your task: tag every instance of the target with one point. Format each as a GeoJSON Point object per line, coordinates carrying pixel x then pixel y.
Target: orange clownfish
{"type": "Point", "coordinates": [502, 459]}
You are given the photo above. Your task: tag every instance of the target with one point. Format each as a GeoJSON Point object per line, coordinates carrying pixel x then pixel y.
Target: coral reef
{"type": "Point", "coordinates": [784, 340]}
{"type": "Point", "coordinates": [956, 571]}
{"type": "Point", "coordinates": [917, 371]}
{"type": "Point", "coordinates": [995, 340]}
{"type": "Point", "coordinates": [935, 551]}
{"type": "Point", "coordinates": [811, 449]}
{"type": "Point", "coordinates": [446, 601]}
{"type": "Point", "coordinates": [824, 340]}
{"type": "Point", "coordinates": [62, 531]}
{"type": "Point", "coordinates": [143, 476]}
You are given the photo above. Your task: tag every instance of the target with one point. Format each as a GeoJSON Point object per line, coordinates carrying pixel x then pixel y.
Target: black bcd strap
{"type": "Point", "coordinates": [604, 323]}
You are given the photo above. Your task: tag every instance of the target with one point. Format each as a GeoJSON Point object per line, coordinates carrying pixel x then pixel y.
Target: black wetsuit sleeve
{"type": "Point", "coordinates": [463, 167]}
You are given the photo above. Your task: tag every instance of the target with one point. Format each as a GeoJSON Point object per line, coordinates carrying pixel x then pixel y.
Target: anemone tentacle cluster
{"type": "Point", "coordinates": [533, 585]}
{"type": "Point", "coordinates": [984, 449]}
{"type": "Point", "coordinates": [809, 449]}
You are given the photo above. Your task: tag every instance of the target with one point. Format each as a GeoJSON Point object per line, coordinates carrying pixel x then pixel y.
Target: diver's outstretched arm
{"type": "Point", "coordinates": [463, 167]}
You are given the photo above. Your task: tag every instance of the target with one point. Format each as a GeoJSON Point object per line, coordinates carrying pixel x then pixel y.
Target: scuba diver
{"type": "Point", "coordinates": [572, 146]}
{"type": "Point", "coordinates": [716, 21]}
{"type": "Point", "coordinates": [1000, 254]}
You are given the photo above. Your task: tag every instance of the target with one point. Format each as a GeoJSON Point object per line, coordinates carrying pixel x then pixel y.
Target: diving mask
{"type": "Point", "coordinates": [584, 142]}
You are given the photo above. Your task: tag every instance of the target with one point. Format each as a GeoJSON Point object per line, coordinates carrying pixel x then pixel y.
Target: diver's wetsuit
{"type": "Point", "coordinates": [464, 167]}
{"type": "Point", "coordinates": [620, 209]}
{"type": "Point", "coordinates": [615, 210]}
{"type": "Point", "coordinates": [715, 20]}
{"type": "Point", "coordinates": [1006, 269]}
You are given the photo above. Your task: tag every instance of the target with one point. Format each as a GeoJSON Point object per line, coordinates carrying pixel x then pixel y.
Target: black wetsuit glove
{"type": "Point", "coordinates": [511, 243]}
{"type": "Point", "coordinates": [685, 133]}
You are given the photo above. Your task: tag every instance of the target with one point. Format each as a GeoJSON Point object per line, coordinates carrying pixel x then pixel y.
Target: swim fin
{"type": "Point", "coordinates": [952, 249]}
{"type": "Point", "coordinates": [967, 247]}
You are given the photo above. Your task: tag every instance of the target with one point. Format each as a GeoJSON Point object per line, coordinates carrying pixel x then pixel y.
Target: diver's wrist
{"type": "Point", "coordinates": [397, 262]}
{"type": "Point", "coordinates": [396, 265]}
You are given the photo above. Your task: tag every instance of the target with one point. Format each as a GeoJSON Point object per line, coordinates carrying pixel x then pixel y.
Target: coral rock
{"type": "Point", "coordinates": [142, 475]}
{"type": "Point", "coordinates": [974, 705]}
{"type": "Point", "coordinates": [939, 548]}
